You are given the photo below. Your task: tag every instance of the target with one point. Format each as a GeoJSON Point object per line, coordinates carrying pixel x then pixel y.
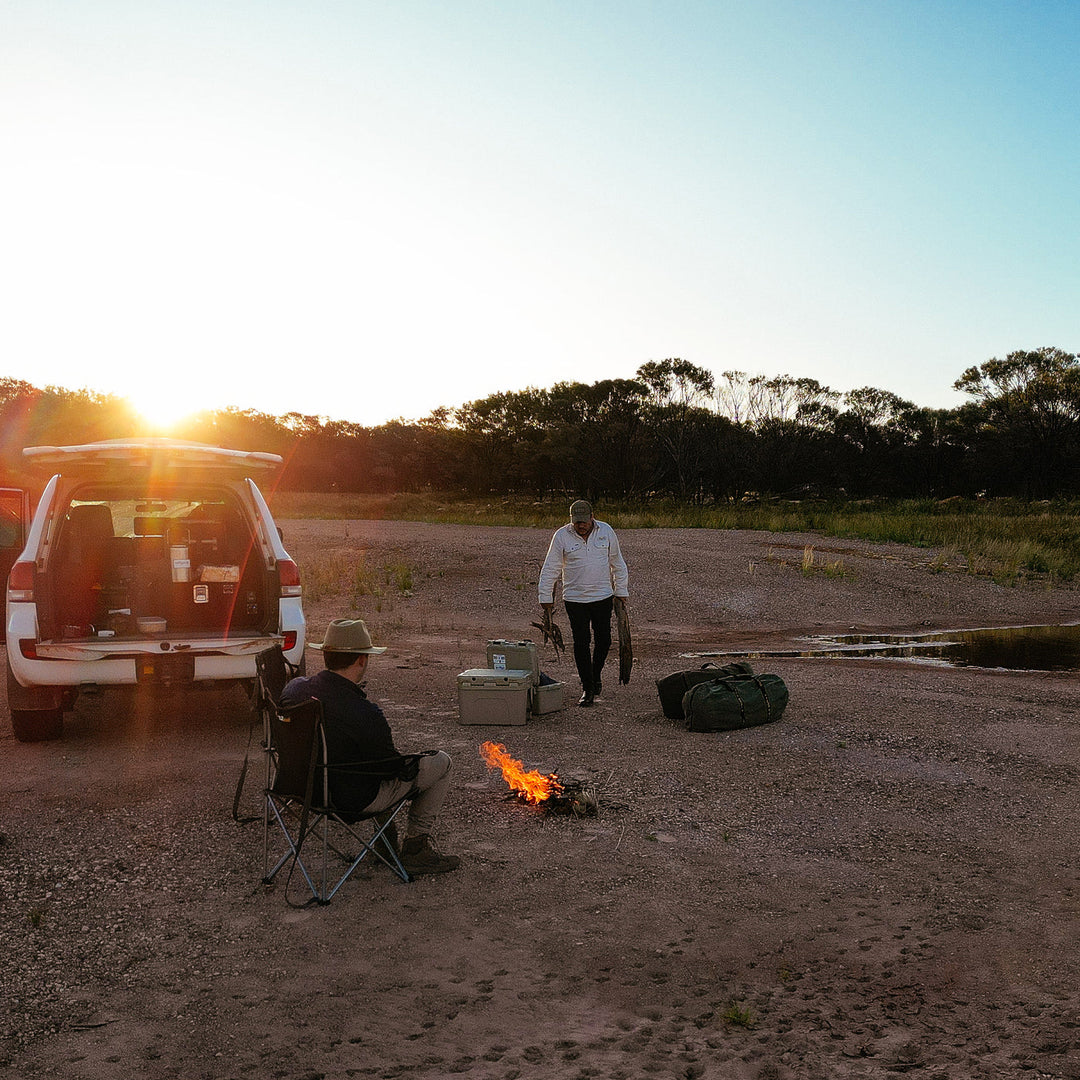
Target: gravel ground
{"type": "Point", "coordinates": [883, 882]}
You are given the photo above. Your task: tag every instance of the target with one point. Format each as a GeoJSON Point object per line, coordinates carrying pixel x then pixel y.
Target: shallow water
{"type": "Point", "coordinates": [1018, 648]}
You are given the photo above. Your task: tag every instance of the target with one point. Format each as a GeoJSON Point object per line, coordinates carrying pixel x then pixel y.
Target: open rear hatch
{"type": "Point", "coordinates": [154, 546]}
{"type": "Point", "coordinates": [164, 458]}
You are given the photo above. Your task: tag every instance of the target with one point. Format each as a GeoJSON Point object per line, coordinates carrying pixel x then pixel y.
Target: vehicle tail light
{"type": "Point", "coordinates": [288, 640]}
{"type": "Point", "coordinates": [28, 647]}
{"type": "Point", "coordinates": [21, 583]}
{"type": "Point", "coordinates": [289, 577]}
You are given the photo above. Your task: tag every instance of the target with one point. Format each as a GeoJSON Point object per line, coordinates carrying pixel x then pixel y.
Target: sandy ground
{"type": "Point", "coordinates": [882, 883]}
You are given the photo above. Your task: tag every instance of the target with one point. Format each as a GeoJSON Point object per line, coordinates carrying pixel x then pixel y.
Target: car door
{"type": "Point", "coordinates": [14, 523]}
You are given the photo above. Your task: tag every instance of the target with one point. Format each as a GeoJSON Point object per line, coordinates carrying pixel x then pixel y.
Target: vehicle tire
{"type": "Point", "coordinates": [37, 725]}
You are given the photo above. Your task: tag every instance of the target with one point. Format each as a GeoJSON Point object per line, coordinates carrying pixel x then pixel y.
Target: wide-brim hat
{"type": "Point", "coordinates": [347, 635]}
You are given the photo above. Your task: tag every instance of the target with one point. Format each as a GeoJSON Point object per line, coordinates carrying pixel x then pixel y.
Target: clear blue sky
{"type": "Point", "coordinates": [367, 210]}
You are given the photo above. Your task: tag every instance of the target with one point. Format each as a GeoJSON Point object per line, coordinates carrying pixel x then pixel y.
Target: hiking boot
{"type": "Point", "coordinates": [419, 855]}
{"type": "Point", "coordinates": [586, 699]}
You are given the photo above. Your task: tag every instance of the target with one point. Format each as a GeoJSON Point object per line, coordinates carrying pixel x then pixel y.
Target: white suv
{"type": "Point", "coordinates": [148, 561]}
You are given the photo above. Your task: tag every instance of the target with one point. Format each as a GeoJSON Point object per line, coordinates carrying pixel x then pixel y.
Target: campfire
{"type": "Point", "coordinates": [538, 789]}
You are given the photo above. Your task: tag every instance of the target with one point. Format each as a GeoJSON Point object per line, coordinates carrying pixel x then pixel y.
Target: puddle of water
{"type": "Point", "coordinates": [1017, 648]}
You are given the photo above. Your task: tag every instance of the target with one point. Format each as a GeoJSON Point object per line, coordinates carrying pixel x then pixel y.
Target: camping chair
{"type": "Point", "coordinates": [272, 673]}
{"type": "Point", "coordinates": [298, 801]}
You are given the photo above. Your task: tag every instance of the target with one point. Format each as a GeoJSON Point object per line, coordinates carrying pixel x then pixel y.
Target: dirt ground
{"type": "Point", "coordinates": [882, 883]}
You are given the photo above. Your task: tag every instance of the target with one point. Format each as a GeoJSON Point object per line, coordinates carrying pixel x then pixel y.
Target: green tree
{"type": "Point", "coordinates": [873, 432]}
{"type": "Point", "coordinates": [1029, 404]}
{"type": "Point", "coordinates": [679, 419]}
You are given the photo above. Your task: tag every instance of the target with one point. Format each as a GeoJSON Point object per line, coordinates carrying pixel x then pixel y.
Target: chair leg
{"type": "Point", "coordinates": [384, 852]}
{"type": "Point", "coordinates": [385, 823]}
{"type": "Point", "coordinates": [317, 875]}
{"type": "Point", "coordinates": [291, 853]}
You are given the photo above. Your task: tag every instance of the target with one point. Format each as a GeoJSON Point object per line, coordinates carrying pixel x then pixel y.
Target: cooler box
{"type": "Point", "coordinates": [491, 696]}
{"type": "Point", "coordinates": [514, 656]}
{"type": "Point", "coordinates": [548, 698]}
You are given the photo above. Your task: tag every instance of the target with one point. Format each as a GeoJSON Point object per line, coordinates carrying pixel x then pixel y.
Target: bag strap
{"type": "Point", "coordinates": [756, 680]}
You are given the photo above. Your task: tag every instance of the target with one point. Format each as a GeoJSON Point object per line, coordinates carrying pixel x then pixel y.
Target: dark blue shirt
{"type": "Point", "coordinates": [356, 732]}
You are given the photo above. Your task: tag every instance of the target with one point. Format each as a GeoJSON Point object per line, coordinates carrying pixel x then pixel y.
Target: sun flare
{"type": "Point", "coordinates": [163, 408]}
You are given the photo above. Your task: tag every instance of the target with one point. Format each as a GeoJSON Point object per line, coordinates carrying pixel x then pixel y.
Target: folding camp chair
{"type": "Point", "coordinates": [298, 801]}
{"type": "Point", "coordinates": [272, 673]}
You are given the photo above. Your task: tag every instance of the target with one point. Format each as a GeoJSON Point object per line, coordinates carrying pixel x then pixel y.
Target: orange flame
{"type": "Point", "coordinates": [534, 786]}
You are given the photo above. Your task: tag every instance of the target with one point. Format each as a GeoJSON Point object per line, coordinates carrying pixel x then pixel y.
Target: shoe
{"type": "Point", "coordinates": [598, 688]}
{"type": "Point", "coordinates": [420, 856]}
{"type": "Point", "coordinates": [586, 699]}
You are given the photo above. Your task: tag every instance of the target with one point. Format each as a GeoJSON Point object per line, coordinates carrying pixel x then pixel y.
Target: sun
{"type": "Point", "coordinates": [164, 407]}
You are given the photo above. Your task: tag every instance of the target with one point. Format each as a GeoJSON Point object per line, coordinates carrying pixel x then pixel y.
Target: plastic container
{"type": "Point", "coordinates": [151, 624]}
{"type": "Point", "coordinates": [490, 696]}
{"type": "Point", "coordinates": [548, 697]}
{"type": "Point", "coordinates": [514, 656]}
{"type": "Point", "coordinates": [181, 563]}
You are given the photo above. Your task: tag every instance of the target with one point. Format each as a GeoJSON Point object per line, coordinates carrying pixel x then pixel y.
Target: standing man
{"type": "Point", "coordinates": [357, 732]}
{"type": "Point", "coordinates": [586, 555]}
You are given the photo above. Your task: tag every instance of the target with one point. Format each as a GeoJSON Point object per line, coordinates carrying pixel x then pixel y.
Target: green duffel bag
{"type": "Point", "coordinates": [738, 701]}
{"type": "Point", "coordinates": [672, 688]}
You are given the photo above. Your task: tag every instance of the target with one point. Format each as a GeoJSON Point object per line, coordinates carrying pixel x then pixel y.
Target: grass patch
{"type": "Point", "coordinates": [831, 569]}
{"type": "Point", "coordinates": [737, 1016]}
{"type": "Point", "coordinates": [342, 573]}
{"type": "Point", "coordinates": [1007, 540]}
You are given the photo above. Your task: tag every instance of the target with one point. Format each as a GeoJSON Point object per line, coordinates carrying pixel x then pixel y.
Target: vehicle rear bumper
{"type": "Point", "coordinates": [115, 662]}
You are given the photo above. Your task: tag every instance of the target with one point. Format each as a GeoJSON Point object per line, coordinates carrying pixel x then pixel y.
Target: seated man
{"type": "Point", "coordinates": [357, 732]}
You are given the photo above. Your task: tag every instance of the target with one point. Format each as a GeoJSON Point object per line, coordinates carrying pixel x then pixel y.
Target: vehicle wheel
{"type": "Point", "coordinates": [37, 725]}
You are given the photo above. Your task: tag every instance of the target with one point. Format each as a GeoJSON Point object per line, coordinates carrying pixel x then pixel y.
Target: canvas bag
{"type": "Point", "coordinates": [737, 701]}
{"type": "Point", "coordinates": [672, 688]}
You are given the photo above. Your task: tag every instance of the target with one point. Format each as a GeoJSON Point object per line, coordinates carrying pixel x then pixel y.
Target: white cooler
{"type": "Point", "coordinates": [523, 656]}
{"type": "Point", "coordinates": [548, 698]}
{"type": "Point", "coordinates": [490, 696]}
{"type": "Point", "coordinates": [514, 656]}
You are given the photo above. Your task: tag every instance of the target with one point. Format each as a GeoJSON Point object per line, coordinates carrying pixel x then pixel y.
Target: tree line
{"type": "Point", "coordinates": [674, 430]}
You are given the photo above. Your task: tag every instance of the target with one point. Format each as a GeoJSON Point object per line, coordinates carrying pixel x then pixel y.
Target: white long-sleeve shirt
{"type": "Point", "coordinates": [591, 569]}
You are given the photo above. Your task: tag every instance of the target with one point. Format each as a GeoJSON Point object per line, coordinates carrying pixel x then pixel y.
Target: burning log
{"type": "Point", "coordinates": [532, 786]}
{"type": "Point", "coordinates": [538, 789]}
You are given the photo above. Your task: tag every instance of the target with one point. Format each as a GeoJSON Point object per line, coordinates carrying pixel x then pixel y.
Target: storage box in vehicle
{"type": "Point", "coordinates": [514, 656]}
{"type": "Point", "coordinates": [219, 573]}
{"type": "Point", "coordinates": [490, 696]}
{"type": "Point", "coordinates": [548, 698]}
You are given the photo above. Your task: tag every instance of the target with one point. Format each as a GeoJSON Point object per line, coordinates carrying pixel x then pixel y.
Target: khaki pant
{"type": "Point", "coordinates": [429, 790]}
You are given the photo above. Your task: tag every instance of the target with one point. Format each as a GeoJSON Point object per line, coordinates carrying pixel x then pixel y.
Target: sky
{"type": "Point", "coordinates": [368, 210]}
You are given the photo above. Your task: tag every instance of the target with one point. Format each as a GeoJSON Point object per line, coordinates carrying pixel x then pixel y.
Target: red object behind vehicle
{"type": "Point", "coordinates": [21, 583]}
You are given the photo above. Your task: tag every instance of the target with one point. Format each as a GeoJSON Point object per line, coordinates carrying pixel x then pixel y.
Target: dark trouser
{"type": "Point", "coordinates": [593, 619]}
